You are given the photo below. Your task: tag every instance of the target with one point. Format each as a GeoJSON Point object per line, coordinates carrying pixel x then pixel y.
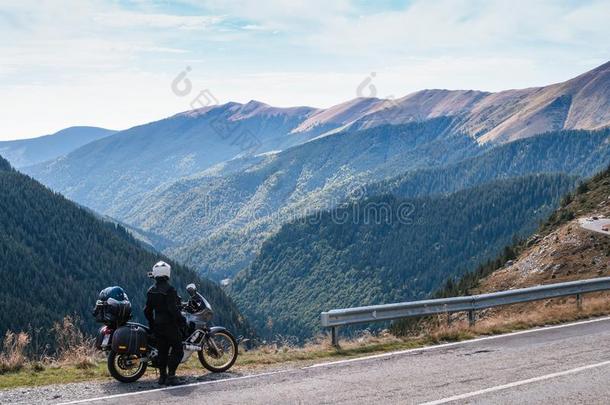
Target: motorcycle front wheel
{"type": "Point", "coordinates": [220, 353]}
{"type": "Point", "coordinates": [126, 368]}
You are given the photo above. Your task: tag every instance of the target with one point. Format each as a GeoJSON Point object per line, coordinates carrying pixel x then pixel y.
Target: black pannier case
{"type": "Point", "coordinates": [130, 339]}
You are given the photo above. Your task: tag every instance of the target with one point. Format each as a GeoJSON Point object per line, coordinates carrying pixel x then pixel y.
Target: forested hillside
{"type": "Point", "coordinates": [559, 250]}
{"type": "Point", "coordinates": [385, 249]}
{"type": "Point", "coordinates": [218, 222]}
{"type": "Point", "coordinates": [56, 257]}
{"type": "Point", "coordinates": [580, 153]}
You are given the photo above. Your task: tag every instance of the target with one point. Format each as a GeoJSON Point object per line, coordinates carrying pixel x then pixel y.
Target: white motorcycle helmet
{"type": "Point", "coordinates": [161, 269]}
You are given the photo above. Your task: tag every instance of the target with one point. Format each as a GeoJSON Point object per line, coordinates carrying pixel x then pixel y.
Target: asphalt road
{"type": "Point", "coordinates": [567, 364]}
{"type": "Point", "coordinates": [595, 225]}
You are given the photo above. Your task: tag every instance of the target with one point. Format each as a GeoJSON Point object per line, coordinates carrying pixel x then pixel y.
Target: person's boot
{"type": "Point", "coordinates": [162, 377]}
{"type": "Point", "coordinates": [173, 380]}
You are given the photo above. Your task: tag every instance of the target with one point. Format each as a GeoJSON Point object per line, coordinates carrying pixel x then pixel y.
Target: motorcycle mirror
{"type": "Point", "coordinates": [191, 289]}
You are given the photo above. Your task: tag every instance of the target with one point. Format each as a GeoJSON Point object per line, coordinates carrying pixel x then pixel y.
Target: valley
{"type": "Point", "coordinates": [385, 249]}
{"type": "Point", "coordinates": [309, 202]}
{"type": "Point", "coordinates": [224, 188]}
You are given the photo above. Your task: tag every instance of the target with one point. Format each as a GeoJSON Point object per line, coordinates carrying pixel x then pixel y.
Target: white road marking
{"type": "Point", "coordinates": [375, 356]}
{"type": "Point", "coordinates": [464, 342]}
{"type": "Point", "coordinates": [516, 384]}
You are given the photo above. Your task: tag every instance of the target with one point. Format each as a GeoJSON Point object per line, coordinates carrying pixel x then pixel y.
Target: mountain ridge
{"type": "Point", "coordinates": [26, 152]}
{"type": "Point", "coordinates": [506, 115]}
{"type": "Point", "coordinates": [222, 132]}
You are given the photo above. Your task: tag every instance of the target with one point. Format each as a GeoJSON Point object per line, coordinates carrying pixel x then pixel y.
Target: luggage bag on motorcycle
{"type": "Point", "coordinates": [130, 339]}
{"type": "Point", "coordinates": [113, 307]}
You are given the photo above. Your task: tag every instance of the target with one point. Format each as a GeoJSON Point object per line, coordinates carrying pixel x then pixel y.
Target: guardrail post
{"type": "Point", "coordinates": [471, 317]}
{"type": "Point", "coordinates": [579, 301]}
{"type": "Point", "coordinates": [449, 320]}
{"type": "Point", "coordinates": [334, 336]}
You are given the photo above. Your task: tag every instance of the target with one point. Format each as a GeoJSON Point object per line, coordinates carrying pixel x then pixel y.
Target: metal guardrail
{"type": "Point", "coordinates": [349, 316]}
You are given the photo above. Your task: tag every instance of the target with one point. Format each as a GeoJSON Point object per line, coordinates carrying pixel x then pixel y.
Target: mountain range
{"type": "Point", "coordinates": [579, 103]}
{"type": "Point", "coordinates": [225, 158]}
{"type": "Point", "coordinates": [213, 186]}
{"type": "Point", "coordinates": [190, 142]}
{"type": "Point", "coordinates": [28, 152]}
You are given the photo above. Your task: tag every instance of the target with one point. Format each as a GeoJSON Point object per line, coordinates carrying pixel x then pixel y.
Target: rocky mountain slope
{"type": "Point", "coordinates": [579, 103]}
{"type": "Point", "coordinates": [27, 152]}
{"type": "Point", "coordinates": [562, 250]}
{"type": "Point", "coordinates": [337, 116]}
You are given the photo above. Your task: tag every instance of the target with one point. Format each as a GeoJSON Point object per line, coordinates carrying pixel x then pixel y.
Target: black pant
{"type": "Point", "coordinates": [169, 336]}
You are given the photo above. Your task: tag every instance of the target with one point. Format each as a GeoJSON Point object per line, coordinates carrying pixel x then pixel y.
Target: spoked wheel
{"type": "Point", "coordinates": [126, 368]}
{"type": "Point", "coordinates": [220, 353]}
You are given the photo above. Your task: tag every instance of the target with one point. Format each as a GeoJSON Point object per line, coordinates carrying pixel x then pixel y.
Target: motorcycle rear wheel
{"type": "Point", "coordinates": [218, 362]}
{"type": "Point", "coordinates": [126, 368]}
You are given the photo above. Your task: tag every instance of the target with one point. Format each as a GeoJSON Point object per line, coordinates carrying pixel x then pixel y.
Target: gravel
{"type": "Point", "coordinates": [59, 393]}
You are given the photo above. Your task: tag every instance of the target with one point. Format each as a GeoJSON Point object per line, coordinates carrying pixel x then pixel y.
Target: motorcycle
{"type": "Point", "coordinates": [131, 348]}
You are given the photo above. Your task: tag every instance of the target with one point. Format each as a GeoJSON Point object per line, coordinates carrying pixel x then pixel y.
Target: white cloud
{"type": "Point", "coordinates": [95, 62]}
{"type": "Point", "coordinates": [165, 21]}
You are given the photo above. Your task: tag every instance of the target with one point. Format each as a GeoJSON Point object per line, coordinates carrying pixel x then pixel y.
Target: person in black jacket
{"type": "Point", "coordinates": [162, 311]}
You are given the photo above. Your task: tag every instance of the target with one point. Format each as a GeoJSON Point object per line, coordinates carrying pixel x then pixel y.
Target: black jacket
{"type": "Point", "coordinates": [163, 306]}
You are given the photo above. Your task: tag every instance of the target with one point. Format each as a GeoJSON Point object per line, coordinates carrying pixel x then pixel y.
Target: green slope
{"type": "Point", "coordinates": [342, 259]}
{"type": "Point", "coordinates": [218, 222]}
{"type": "Point", "coordinates": [588, 199]}
{"type": "Point", "coordinates": [56, 257]}
{"type": "Point", "coordinates": [580, 153]}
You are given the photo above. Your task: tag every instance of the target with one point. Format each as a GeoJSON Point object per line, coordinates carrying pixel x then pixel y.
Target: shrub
{"type": "Point", "coordinates": [13, 356]}
{"type": "Point", "coordinates": [72, 345]}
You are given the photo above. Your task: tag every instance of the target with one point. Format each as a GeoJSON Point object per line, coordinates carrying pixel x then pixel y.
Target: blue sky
{"type": "Point", "coordinates": [111, 63]}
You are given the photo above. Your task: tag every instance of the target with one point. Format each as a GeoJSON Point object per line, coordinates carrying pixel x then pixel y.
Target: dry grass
{"type": "Point", "coordinates": [435, 331]}
{"type": "Point", "coordinates": [13, 356]}
{"type": "Point", "coordinates": [73, 346]}
{"type": "Point", "coordinates": [521, 316]}
{"type": "Point", "coordinates": [320, 348]}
